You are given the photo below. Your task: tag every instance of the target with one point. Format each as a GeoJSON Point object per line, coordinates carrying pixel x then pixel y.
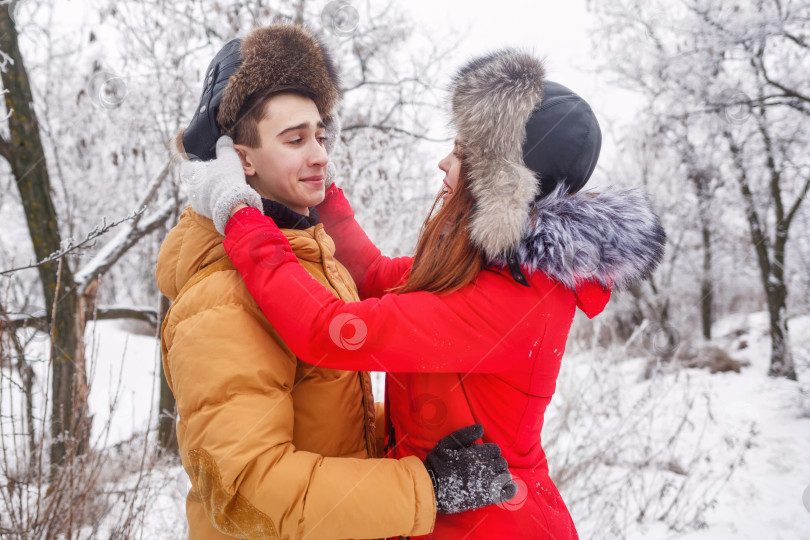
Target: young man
{"type": "Point", "coordinates": [274, 447]}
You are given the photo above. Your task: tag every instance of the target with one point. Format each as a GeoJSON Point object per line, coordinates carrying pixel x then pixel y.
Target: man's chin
{"type": "Point", "coordinates": [309, 202]}
{"type": "Point", "coordinates": [318, 201]}
{"type": "Point", "coordinates": [315, 197]}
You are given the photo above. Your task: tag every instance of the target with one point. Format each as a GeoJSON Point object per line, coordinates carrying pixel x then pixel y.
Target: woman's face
{"type": "Point", "coordinates": [451, 165]}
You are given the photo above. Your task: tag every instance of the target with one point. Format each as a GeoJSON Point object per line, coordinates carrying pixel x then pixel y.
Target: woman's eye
{"type": "Point", "coordinates": [322, 140]}
{"type": "Point", "coordinates": [296, 141]}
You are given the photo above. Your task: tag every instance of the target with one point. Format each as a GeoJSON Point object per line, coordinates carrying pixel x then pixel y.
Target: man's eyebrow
{"type": "Point", "coordinates": [304, 125]}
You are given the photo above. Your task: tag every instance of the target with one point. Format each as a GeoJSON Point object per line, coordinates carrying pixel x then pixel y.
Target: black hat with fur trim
{"type": "Point", "coordinates": [270, 58]}
{"type": "Point", "coordinates": [522, 137]}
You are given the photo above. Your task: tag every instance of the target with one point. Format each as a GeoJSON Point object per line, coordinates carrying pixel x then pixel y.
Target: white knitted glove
{"type": "Point", "coordinates": [216, 186]}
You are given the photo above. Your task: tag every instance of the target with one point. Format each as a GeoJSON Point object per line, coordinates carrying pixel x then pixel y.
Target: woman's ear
{"type": "Point", "coordinates": [247, 162]}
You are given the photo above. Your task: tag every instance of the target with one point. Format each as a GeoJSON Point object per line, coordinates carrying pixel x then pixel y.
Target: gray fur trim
{"type": "Point", "coordinates": [332, 133]}
{"type": "Point", "coordinates": [493, 98]}
{"type": "Point", "coordinates": [613, 237]}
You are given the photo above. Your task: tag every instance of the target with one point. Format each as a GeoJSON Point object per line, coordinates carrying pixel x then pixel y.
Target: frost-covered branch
{"type": "Point", "coordinates": [392, 128]}
{"type": "Point", "coordinates": [5, 61]}
{"type": "Point", "coordinates": [113, 250]}
{"type": "Point", "coordinates": [798, 202]}
{"type": "Point", "coordinates": [13, 321]}
{"type": "Point", "coordinates": [86, 242]}
{"type": "Point", "coordinates": [151, 191]}
{"type": "Point", "coordinates": [789, 92]}
{"type": "Point", "coordinates": [127, 237]}
{"type": "Point", "coordinates": [121, 243]}
{"type": "Point", "coordinates": [146, 314]}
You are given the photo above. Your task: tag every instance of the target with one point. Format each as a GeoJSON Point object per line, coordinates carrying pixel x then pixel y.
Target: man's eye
{"type": "Point", "coordinates": [296, 141]}
{"type": "Point", "coordinates": [322, 140]}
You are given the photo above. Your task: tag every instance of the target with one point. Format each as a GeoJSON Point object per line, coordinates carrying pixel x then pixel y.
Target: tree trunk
{"type": "Point", "coordinates": [706, 294]}
{"type": "Point", "coordinates": [70, 426]}
{"type": "Point", "coordinates": [25, 154]}
{"type": "Point", "coordinates": [781, 357]}
{"type": "Point", "coordinates": [775, 286]}
{"type": "Point", "coordinates": [771, 271]}
{"type": "Point", "coordinates": [776, 289]}
{"type": "Point", "coordinates": [167, 419]}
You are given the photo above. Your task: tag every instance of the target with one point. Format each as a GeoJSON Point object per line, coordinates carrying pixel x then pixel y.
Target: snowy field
{"type": "Point", "coordinates": [763, 499]}
{"type": "Point", "coordinates": [685, 454]}
{"type": "Point", "coordinates": [699, 456]}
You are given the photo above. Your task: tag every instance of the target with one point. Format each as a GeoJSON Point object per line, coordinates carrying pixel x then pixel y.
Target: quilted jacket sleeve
{"type": "Point", "coordinates": [374, 273]}
{"type": "Point", "coordinates": [236, 416]}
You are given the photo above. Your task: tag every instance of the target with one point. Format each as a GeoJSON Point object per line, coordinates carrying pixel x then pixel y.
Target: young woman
{"type": "Point", "coordinates": [473, 327]}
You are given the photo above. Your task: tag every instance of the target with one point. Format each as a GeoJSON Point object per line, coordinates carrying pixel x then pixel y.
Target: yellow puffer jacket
{"type": "Point", "coordinates": [274, 447]}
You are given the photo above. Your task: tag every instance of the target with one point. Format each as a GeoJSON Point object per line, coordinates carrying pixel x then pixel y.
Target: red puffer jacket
{"type": "Point", "coordinates": [489, 352]}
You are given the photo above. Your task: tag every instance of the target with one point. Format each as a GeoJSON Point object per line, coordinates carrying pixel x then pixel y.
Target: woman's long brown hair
{"type": "Point", "coordinates": [445, 258]}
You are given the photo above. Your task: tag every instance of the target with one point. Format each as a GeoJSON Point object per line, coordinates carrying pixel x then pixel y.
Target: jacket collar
{"type": "Point", "coordinates": [288, 219]}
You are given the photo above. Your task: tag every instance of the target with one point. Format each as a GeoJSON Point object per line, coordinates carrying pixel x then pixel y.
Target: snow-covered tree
{"type": "Point", "coordinates": [725, 81]}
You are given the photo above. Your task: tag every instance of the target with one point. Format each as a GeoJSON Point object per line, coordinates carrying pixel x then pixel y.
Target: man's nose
{"type": "Point", "coordinates": [318, 157]}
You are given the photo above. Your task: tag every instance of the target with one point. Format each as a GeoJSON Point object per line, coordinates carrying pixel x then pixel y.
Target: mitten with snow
{"type": "Point", "coordinates": [467, 475]}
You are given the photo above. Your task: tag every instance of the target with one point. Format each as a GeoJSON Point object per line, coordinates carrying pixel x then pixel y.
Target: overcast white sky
{"type": "Point", "coordinates": [557, 30]}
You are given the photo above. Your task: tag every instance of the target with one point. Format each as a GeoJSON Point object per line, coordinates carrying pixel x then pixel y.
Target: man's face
{"type": "Point", "coordinates": [290, 165]}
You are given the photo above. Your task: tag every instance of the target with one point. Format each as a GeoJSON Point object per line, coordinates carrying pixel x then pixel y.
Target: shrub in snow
{"type": "Point", "coordinates": [628, 453]}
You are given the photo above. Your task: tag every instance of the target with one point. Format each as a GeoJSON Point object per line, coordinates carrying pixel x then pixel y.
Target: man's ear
{"type": "Point", "coordinates": [247, 162]}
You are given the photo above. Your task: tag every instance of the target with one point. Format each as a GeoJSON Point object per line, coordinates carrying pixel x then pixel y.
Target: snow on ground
{"type": "Point", "coordinates": [123, 370]}
{"type": "Point", "coordinates": [764, 498]}
{"type": "Point", "coordinates": [686, 454]}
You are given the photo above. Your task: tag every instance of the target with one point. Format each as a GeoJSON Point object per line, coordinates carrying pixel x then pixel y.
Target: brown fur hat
{"type": "Point", "coordinates": [281, 56]}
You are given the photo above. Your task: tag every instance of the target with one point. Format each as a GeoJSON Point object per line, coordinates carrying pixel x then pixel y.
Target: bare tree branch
{"type": "Point", "coordinates": [789, 92]}
{"type": "Point", "coordinates": [797, 40]}
{"type": "Point", "coordinates": [140, 313]}
{"type": "Point", "coordinates": [151, 191]}
{"type": "Point", "coordinates": [120, 244]}
{"type": "Point", "coordinates": [394, 129]}
{"type": "Point", "coordinates": [88, 241]}
{"type": "Point", "coordinates": [797, 203]}
{"type": "Point", "coordinates": [113, 250]}
{"type": "Point", "coordinates": [5, 149]}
